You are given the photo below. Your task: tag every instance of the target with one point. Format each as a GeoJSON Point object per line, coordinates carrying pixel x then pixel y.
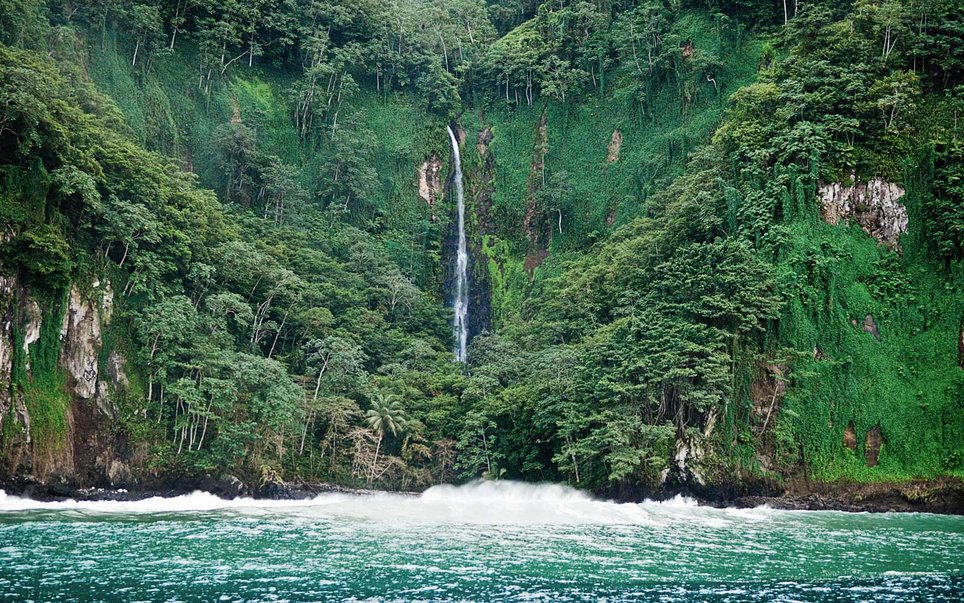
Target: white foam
{"type": "Point", "coordinates": [485, 502]}
{"type": "Point", "coordinates": [196, 501]}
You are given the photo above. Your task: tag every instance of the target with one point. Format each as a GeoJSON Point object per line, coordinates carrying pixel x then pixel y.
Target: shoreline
{"type": "Point", "coordinates": [944, 496]}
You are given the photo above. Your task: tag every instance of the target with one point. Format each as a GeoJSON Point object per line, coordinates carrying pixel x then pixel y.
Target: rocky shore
{"type": "Point", "coordinates": [943, 496]}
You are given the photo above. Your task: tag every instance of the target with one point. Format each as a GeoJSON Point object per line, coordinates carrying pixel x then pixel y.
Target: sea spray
{"type": "Point", "coordinates": [479, 502]}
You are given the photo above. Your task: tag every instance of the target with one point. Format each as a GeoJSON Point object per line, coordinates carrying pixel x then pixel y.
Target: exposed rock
{"type": "Point", "coordinates": [872, 445]}
{"type": "Point", "coordinates": [106, 303]}
{"type": "Point", "coordinates": [33, 322]}
{"type": "Point", "coordinates": [942, 495]}
{"type": "Point", "coordinates": [115, 370]}
{"type": "Point", "coordinates": [767, 393]}
{"type": "Point", "coordinates": [534, 259]}
{"type": "Point", "coordinates": [850, 437]}
{"type": "Point", "coordinates": [871, 327]}
{"type": "Point", "coordinates": [80, 335]}
{"type": "Point", "coordinates": [119, 474]}
{"type": "Point", "coordinates": [16, 439]}
{"type": "Point", "coordinates": [615, 144]}
{"type": "Point", "coordinates": [6, 345]}
{"type": "Point", "coordinates": [430, 180]}
{"type": "Point", "coordinates": [873, 205]}
{"type": "Point", "coordinates": [484, 139]}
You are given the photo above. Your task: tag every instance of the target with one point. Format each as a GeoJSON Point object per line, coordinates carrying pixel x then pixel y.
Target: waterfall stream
{"type": "Point", "coordinates": [461, 299]}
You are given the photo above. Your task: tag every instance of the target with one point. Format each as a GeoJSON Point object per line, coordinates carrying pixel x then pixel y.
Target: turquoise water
{"type": "Point", "coordinates": [481, 542]}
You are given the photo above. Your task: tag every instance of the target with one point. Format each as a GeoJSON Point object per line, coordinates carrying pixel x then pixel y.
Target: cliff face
{"type": "Point", "coordinates": [874, 206]}
{"type": "Point", "coordinates": [58, 386]}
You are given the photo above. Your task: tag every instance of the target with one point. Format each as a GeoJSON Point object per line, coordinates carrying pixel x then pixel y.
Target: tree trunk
{"type": "Point", "coordinates": [378, 447]}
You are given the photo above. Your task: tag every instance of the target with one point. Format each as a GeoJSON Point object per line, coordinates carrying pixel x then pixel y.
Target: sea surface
{"type": "Point", "coordinates": [492, 541]}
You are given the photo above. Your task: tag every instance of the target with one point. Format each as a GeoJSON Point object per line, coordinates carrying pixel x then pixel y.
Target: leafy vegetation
{"type": "Point", "coordinates": [667, 302]}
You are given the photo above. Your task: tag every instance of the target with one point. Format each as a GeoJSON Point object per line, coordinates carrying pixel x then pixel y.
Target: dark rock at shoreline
{"type": "Point", "coordinates": [942, 496]}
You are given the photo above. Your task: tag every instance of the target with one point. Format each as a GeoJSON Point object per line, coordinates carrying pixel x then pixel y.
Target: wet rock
{"type": "Point", "coordinates": [615, 144]}
{"type": "Point", "coordinates": [61, 486]}
{"type": "Point", "coordinates": [224, 485]}
{"type": "Point", "coordinates": [850, 437]}
{"type": "Point", "coordinates": [871, 327]}
{"type": "Point", "coordinates": [872, 444]}
{"type": "Point", "coordinates": [119, 474]}
{"type": "Point", "coordinates": [873, 205]}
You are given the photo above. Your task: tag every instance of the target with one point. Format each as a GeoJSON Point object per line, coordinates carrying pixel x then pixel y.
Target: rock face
{"type": "Point", "coordinates": [80, 337]}
{"type": "Point", "coordinates": [873, 205]}
{"type": "Point", "coordinates": [850, 437]}
{"type": "Point", "coordinates": [90, 451]}
{"type": "Point", "coordinates": [6, 346]}
{"type": "Point", "coordinates": [615, 144]}
{"type": "Point", "coordinates": [767, 393]}
{"type": "Point", "coordinates": [872, 444]}
{"type": "Point", "coordinates": [430, 181]}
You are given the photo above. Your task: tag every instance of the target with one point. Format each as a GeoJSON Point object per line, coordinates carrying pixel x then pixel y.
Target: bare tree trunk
{"type": "Point", "coordinates": [378, 447]}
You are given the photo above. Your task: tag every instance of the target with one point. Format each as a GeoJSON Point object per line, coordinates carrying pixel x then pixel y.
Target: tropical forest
{"type": "Point", "coordinates": [632, 246]}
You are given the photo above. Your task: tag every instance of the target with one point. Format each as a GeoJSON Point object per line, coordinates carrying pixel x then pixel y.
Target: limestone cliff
{"type": "Point", "coordinates": [58, 413]}
{"type": "Point", "coordinates": [874, 206]}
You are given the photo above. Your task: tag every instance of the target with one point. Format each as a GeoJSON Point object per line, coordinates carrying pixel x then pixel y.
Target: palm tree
{"type": "Point", "coordinates": [385, 415]}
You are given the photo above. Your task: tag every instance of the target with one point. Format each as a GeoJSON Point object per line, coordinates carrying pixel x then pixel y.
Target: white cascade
{"type": "Point", "coordinates": [461, 299]}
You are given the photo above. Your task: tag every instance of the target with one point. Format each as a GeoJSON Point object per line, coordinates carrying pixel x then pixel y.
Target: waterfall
{"type": "Point", "coordinates": [461, 299]}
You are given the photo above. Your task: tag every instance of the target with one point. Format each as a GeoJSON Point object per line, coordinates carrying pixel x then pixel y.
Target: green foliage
{"type": "Point", "coordinates": [42, 254]}
{"type": "Point", "coordinates": [646, 212]}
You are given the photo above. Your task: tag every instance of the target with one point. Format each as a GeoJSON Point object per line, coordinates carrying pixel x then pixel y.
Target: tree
{"type": "Point", "coordinates": [385, 416]}
{"type": "Point", "coordinates": [147, 29]}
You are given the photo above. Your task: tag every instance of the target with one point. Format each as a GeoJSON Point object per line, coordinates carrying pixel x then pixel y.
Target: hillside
{"type": "Point", "coordinates": [712, 246]}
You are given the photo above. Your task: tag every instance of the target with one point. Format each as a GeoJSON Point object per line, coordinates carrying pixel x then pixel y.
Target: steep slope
{"type": "Point", "coordinates": [709, 250]}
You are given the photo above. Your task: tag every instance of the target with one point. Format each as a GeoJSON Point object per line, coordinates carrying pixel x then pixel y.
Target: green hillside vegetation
{"type": "Point", "coordinates": [662, 301]}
